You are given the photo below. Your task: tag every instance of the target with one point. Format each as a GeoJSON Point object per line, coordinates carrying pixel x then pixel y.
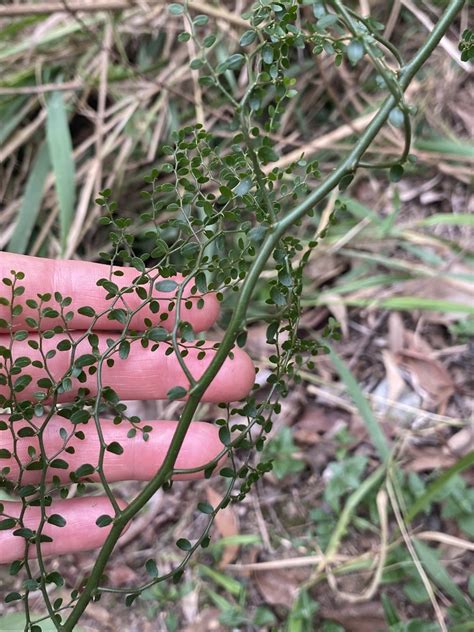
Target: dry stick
{"type": "Point", "coordinates": [42, 88]}
{"type": "Point", "coordinates": [450, 540]}
{"type": "Point", "coordinates": [323, 141]}
{"type": "Point", "coordinates": [194, 74]}
{"type": "Point", "coordinates": [411, 549]}
{"type": "Point", "coordinates": [102, 99]}
{"type": "Point", "coordinates": [290, 562]}
{"type": "Point", "coordinates": [113, 5]}
{"type": "Point", "coordinates": [445, 43]}
{"type": "Point", "coordinates": [392, 20]}
{"type": "Point", "coordinates": [382, 555]}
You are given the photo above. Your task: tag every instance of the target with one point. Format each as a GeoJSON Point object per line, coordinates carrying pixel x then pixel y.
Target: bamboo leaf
{"type": "Point", "coordinates": [31, 202]}
{"type": "Point", "coordinates": [60, 151]}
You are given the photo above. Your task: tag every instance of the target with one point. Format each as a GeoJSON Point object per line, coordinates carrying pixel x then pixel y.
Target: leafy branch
{"type": "Point", "coordinates": [246, 215]}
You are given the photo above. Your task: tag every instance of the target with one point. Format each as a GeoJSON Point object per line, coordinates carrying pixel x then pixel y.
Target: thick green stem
{"type": "Point", "coordinates": [347, 166]}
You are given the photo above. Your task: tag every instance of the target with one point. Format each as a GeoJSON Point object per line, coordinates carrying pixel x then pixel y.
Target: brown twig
{"type": "Point", "coordinates": [39, 8]}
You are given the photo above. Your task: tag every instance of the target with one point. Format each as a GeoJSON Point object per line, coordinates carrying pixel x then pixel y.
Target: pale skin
{"type": "Point", "coordinates": [144, 375]}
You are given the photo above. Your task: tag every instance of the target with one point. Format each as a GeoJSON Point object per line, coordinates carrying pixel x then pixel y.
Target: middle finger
{"type": "Point", "coordinates": [143, 375]}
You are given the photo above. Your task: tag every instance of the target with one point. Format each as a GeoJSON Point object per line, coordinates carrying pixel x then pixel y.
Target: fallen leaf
{"type": "Point", "coordinates": [122, 575]}
{"type": "Point", "coordinates": [396, 332]}
{"type": "Point", "coordinates": [227, 525]}
{"type": "Point", "coordinates": [207, 621]}
{"type": "Point", "coordinates": [280, 586]}
{"type": "Point", "coordinates": [395, 381]}
{"type": "Point", "coordinates": [427, 459]}
{"type": "Point", "coordinates": [428, 376]}
{"type": "Point", "coordinates": [461, 442]}
{"type": "Point", "coordinates": [363, 617]}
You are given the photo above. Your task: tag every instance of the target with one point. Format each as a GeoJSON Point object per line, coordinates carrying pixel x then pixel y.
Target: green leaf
{"type": "Point", "coordinates": [59, 464]}
{"type": "Point", "coordinates": [60, 152]}
{"type": "Point", "coordinates": [200, 20]}
{"type": "Point", "coordinates": [176, 9]}
{"type": "Point", "coordinates": [57, 520]}
{"type": "Point", "coordinates": [80, 417]}
{"type": "Point", "coordinates": [86, 311]}
{"type": "Point", "coordinates": [224, 435]}
{"type": "Point", "coordinates": [326, 21]}
{"type": "Point", "coordinates": [267, 154]}
{"type": "Point", "coordinates": [124, 349]}
{"type": "Point", "coordinates": [184, 544]}
{"type": "Point", "coordinates": [209, 41]}
{"type": "Point", "coordinates": [243, 187]}
{"type": "Point", "coordinates": [158, 334]}
{"type": "Point", "coordinates": [85, 360]}
{"type": "Point", "coordinates": [396, 173]}
{"type": "Point", "coordinates": [104, 520]}
{"type": "Point", "coordinates": [345, 181]}
{"type": "Point", "coordinates": [177, 392]}
{"type": "Point", "coordinates": [31, 202]}
{"type": "Point", "coordinates": [396, 117]}
{"type": "Point", "coordinates": [115, 448]}
{"type": "Point", "coordinates": [151, 568]}
{"type": "Point", "coordinates": [248, 37]}
{"type": "Point", "coordinates": [86, 469]}
{"type": "Point", "coordinates": [234, 62]}
{"type": "Point", "coordinates": [21, 383]}
{"type": "Point", "coordinates": [7, 523]}
{"type": "Point", "coordinates": [355, 51]}
{"type": "Point", "coordinates": [205, 508]}
{"type": "Point", "coordinates": [166, 286]}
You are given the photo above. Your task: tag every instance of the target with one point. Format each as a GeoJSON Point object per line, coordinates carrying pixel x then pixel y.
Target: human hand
{"type": "Point", "coordinates": [143, 375]}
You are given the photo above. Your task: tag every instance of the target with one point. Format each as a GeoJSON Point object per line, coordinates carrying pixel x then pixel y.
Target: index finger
{"type": "Point", "coordinates": [78, 280]}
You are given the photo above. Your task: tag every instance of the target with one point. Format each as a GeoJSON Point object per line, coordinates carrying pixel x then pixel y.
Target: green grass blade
{"type": "Point", "coordinates": [436, 486]}
{"type": "Point", "coordinates": [375, 431]}
{"type": "Point", "coordinates": [352, 503]}
{"type": "Point", "coordinates": [445, 146]}
{"type": "Point", "coordinates": [360, 211]}
{"type": "Point", "coordinates": [467, 626]}
{"type": "Point", "coordinates": [229, 584]}
{"type": "Point", "coordinates": [60, 151]}
{"type": "Point", "coordinates": [50, 37]}
{"type": "Point", "coordinates": [440, 576]}
{"type": "Point", "coordinates": [400, 303]}
{"type": "Point", "coordinates": [31, 202]}
{"type": "Point", "coordinates": [10, 117]}
{"type": "Point", "coordinates": [456, 219]}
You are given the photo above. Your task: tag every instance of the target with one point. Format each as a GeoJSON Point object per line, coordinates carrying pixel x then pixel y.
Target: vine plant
{"type": "Point", "coordinates": [216, 221]}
